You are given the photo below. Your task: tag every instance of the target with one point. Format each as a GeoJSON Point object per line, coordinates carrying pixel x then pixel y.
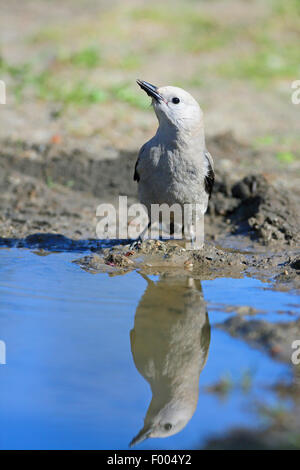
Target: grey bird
{"type": "Point", "coordinates": [174, 167]}
{"type": "Point", "coordinates": [169, 343]}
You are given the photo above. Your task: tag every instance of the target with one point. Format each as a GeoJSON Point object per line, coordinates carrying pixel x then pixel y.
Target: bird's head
{"type": "Point", "coordinates": [166, 421]}
{"type": "Point", "coordinates": [174, 106]}
{"type": "Point", "coordinates": [159, 429]}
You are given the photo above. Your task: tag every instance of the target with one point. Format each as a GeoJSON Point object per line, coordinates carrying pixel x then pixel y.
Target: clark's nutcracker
{"type": "Point", "coordinates": [174, 166]}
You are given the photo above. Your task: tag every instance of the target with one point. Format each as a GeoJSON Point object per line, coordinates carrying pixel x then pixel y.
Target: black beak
{"type": "Point", "coordinates": [142, 436]}
{"type": "Point", "coordinates": [151, 90]}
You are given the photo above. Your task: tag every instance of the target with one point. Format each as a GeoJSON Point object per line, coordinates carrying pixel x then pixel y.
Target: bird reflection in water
{"type": "Point", "coordinates": [169, 345]}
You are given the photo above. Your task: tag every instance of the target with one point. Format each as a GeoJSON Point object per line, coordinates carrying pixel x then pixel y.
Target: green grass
{"type": "Point", "coordinates": [127, 94]}
{"type": "Point", "coordinates": [53, 35]}
{"type": "Point", "coordinates": [286, 157]}
{"type": "Point", "coordinates": [130, 36]}
{"type": "Point", "coordinates": [264, 141]}
{"type": "Point", "coordinates": [288, 9]}
{"type": "Point", "coordinates": [268, 63]}
{"type": "Point", "coordinates": [268, 57]}
{"type": "Point", "coordinates": [194, 81]}
{"type": "Point", "coordinates": [79, 93]}
{"type": "Point", "coordinates": [130, 61]}
{"type": "Point", "coordinates": [49, 86]}
{"type": "Point", "coordinates": [186, 29]}
{"type": "Point", "coordinates": [273, 51]}
{"type": "Point", "coordinates": [182, 18]}
{"type": "Point", "coordinates": [88, 57]}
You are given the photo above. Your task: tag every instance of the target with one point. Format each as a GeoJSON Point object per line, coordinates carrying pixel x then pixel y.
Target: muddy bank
{"type": "Point", "coordinates": [280, 268]}
{"type": "Point", "coordinates": [255, 208]}
{"type": "Point", "coordinates": [49, 195]}
{"type": "Point", "coordinates": [104, 175]}
{"type": "Point", "coordinates": [55, 189]}
{"type": "Point", "coordinates": [153, 256]}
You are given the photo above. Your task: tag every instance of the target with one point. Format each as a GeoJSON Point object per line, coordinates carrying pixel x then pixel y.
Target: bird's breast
{"type": "Point", "coordinates": [173, 177]}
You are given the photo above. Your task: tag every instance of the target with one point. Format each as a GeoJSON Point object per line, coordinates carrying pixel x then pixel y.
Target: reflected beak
{"type": "Point", "coordinates": [140, 437]}
{"type": "Point", "coordinates": [151, 90]}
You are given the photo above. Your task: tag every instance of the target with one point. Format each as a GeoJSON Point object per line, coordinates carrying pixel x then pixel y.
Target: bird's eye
{"type": "Point", "coordinates": [168, 426]}
{"type": "Point", "coordinates": [175, 100]}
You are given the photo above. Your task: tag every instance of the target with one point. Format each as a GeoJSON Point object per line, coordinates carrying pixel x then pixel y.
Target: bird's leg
{"type": "Point", "coordinates": [194, 244]}
{"type": "Point", "coordinates": [198, 241]}
{"type": "Point", "coordinates": [194, 227]}
{"type": "Point", "coordinates": [193, 241]}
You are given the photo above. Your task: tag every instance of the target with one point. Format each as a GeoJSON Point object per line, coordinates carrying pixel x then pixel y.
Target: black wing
{"type": "Point", "coordinates": [136, 176]}
{"type": "Point", "coordinates": [210, 176]}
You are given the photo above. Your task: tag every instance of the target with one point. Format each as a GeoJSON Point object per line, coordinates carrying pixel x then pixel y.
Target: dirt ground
{"type": "Point", "coordinates": [59, 160]}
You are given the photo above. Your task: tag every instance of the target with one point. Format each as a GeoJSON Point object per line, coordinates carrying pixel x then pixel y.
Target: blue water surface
{"type": "Point", "coordinates": [70, 381]}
